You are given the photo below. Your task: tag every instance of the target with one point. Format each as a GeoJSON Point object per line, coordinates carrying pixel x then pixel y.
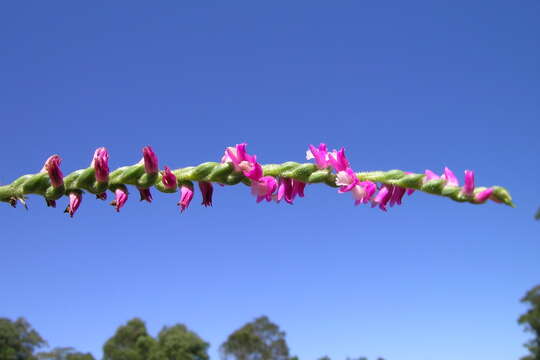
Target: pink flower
{"type": "Point", "coordinates": [264, 188]}
{"type": "Point", "coordinates": [252, 171]}
{"type": "Point", "coordinates": [150, 160]}
{"type": "Point", "coordinates": [298, 187]}
{"type": "Point", "coordinates": [346, 180]}
{"type": "Point", "coordinates": [168, 178]}
{"type": "Point", "coordinates": [288, 189]}
{"type": "Point", "coordinates": [369, 188]}
{"type": "Point", "coordinates": [206, 190]}
{"type": "Point", "coordinates": [430, 175]}
{"type": "Point", "coordinates": [451, 179]}
{"type": "Point", "coordinates": [361, 191]}
{"type": "Point", "coordinates": [243, 162]}
{"type": "Point", "coordinates": [100, 163]}
{"type": "Point", "coordinates": [338, 160]}
{"type": "Point", "coordinates": [186, 195]}
{"type": "Point", "coordinates": [236, 155]}
{"type": "Point", "coordinates": [319, 154]}
{"type": "Point", "coordinates": [146, 195]}
{"type": "Point", "coordinates": [121, 196]}
{"type": "Point", "coordinates": [75, 198]}
{"type": "Point", "coordinates": [397, 195]}
{"type": "Point", "coordinates": [52, 166]}
{"type": "Point", "coordinates": [382, 198]}
{"type": "Point", "coordinates": [468, 188]}
{"type": "Point", "coordinates": [483, 195]}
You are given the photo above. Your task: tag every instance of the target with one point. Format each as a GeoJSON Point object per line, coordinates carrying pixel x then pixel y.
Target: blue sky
{"type": "Point", "coordinates": [410, 85]}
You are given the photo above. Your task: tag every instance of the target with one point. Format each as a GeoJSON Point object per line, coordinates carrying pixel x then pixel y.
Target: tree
{"type": "Point", "coordinates": [80, 356]}
{"type": "Point", "coordinates": [18, 340]}
{"type": "Point", "coordinates": [257, 340]}
{"type": "Point", "coordinates": [130, 342]}
{"type": "Point", "coordinates": [179, 343]}
{"type": "Point", "coordinates": [64, 353]}
{"type": "Point", "coordinates": [531, 321]}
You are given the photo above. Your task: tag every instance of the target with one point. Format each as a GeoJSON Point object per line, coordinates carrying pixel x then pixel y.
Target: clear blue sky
{"type": "Point", "coordinates": [411, 85]}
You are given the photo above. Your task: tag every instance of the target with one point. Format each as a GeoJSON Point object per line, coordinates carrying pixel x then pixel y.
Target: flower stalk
{"type": "Point", "coordinates": [270, 182]}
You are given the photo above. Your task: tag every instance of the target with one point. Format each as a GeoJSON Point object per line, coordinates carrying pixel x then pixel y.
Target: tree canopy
{"type": "Point", "coordinates": [18, 340]}
{"type": "Point", "coordinates": [132, 342]}
{"type": "Point", "coordinates": [64, 353]}
{"type": "Point", "coordinates": [179, 343]}
{"type": "Point", "coordinates": [260, 339]}
{"type": "Point", "coordinates": [531, 321]}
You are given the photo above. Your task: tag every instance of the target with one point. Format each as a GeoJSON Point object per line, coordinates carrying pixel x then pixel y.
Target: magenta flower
{"type": "Point", "coordinates": [451, 179]}
{"type": "Point", "coordinates": [168, 178]}
{"type": "Point", "coordinates": [52, 167]}
{"type": "Point", "coordinates": [319, 154]}
{"type": "Point", "coordinates": [430, 175]}
{"type": "Point", "coordinates": [397, 195]}
{"type": "Point", "coordinates": [483, 195]}
{"type": "Point", "coordinates": [288, 189]}
{"type": "Point", "coordinates": [121, 196]}
{"type": "Point", "coordinates": [102, 196]}
{"type": "Point", "coordinates": [150, 160]}
{"type": "Point", "coordinates": [346, 180]}
{"type": "Point", "coordinates": [361, 191]}
{"type": "Point", "coordinates": [298, 187]}
{"type": "Point", "coordinates": [75, 199]}
{"type": "Point", "coordinates": [243, 162]}
{"type": "Point", "coordinates": [236, 155]}
{"type": "Point", "coordinates": [146, 195]}
{"type": "Point", "coordinates": [206, 190]}
{"type": "Point", "coordinates": [468, 188]}
{"type": "Point", "coordinates": [338, 160]}
{"type": "Point", "coordinates": [252, 171]}
{"type": "Point", "coordinates": [264, 188]}
{"type": "Point", "coordinates": [186, 195]}
{"type": "Point", "coordinates": [100, 163]}
{"type": "Point", "coordinates": [382, 197]}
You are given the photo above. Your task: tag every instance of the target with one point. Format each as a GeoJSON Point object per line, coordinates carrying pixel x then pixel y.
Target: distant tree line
{"type": "Point", "coordinates": [259, 339]}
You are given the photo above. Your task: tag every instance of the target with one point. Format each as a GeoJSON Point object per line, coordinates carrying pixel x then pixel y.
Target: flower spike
{"type": "Point", "coordinates": [267, 182]}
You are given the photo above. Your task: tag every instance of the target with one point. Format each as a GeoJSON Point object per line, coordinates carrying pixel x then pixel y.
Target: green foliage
{"type": "Point", "coordinates": [531, 321]}
{"type": "Point", "coordinates": [258, 340]}
{"type": "Point", "coordinates": [18, 340]}
{"type": "Point", "coordinates": [80, 356]}
{"type": "Point", "coordinates": [130, 342]}
{"type": "Point", "coordinates": [179, 343]}
{"type": "Point", "coordinates": [64, 353]}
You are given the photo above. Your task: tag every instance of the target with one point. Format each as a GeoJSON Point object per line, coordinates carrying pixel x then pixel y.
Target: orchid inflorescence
{"type": "Point", "coordinates": [271, 182]}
